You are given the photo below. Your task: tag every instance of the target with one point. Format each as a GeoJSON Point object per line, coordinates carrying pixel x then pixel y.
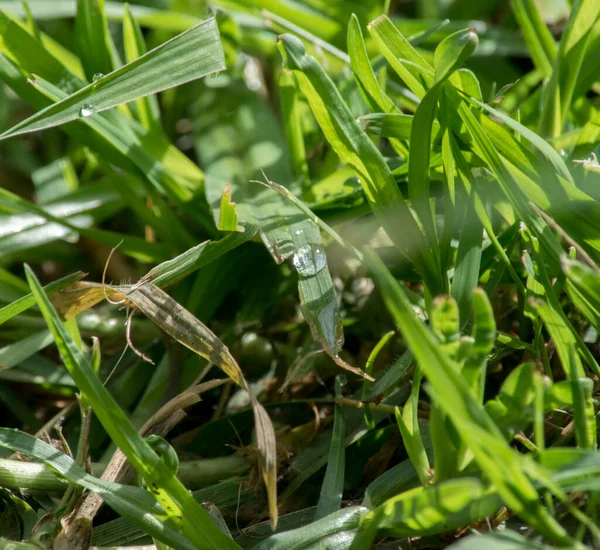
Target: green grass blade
{"type": "Point", "coordinates": [133, 503]}
{"type": "Point", "coordinates": [14, 354]}
{"type": "Point", "coordinates": [558, 95]}
{"type": "Point", "coordinates": [292, 122]}
{"type": "Point", "coordinates": [432, 510]}
{"type": "Point", "coordinates": [92, 38]}
{"type": "Point", "coordinates": [189, 56]}
{"type": "Point", "coordinates": [452, 393]}
{"type": "Point", "coordinates": [330, 499]}
{"type": "Point", "coordinates": [27, 301]}
{"type": "Point", "coordinates": [363, 71]}
{"type": "Point", "coordinates": [468, 260]}
{"type": "Point", "coordinates": [337, 527]}
{"type": "Point", "coordinates": [182, 510]}
{"type": "Point", "coordinates": [417, 74]}
{"type": "Point", "coordinates": [391, 125]}
{"type": "Point", "coordinates": [228, 218]}
{"type": "Point", "coordinates": [538, 38]}
{"type": "Point", "coordinates": [148, 112]}
{"type": "Point", "coordinates": [353, 146]}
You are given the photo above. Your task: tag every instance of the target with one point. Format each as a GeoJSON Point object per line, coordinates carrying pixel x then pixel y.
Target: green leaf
{"type": "Point", "coordinates": [189, 56]}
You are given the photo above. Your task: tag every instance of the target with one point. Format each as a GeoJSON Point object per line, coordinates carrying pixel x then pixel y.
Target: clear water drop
{"type": "Point", "coordinates": [97, 77]}
{"type": "Point", "coordinates": [299, 231]}
{"type": "Point", "coordinates": [86, 110]}
{"type": "Point", "coordinates": [309, 260]}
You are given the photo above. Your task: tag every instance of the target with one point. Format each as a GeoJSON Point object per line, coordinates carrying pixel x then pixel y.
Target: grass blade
{"type": "Point", "coordinates": [133, 503]}
{"type": "Point", "coordinates": [92, 38]}
{"type": "Point", "coordinates": [330, 499]}
{"type": "Point", "coordinates": [353, 146]}
{"type": "Point", "coordinates": [190, 55]}
{"type": "Point", "coordinates": [181, 508]}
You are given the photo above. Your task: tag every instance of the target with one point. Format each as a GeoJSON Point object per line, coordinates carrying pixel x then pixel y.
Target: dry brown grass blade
{"type": "Point", "coordinates": [182, 326]}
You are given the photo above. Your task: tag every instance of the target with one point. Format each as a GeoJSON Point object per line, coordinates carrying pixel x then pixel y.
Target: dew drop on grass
{"type": "Point", "coordinates": [309, 260]}
{"type": "Point", "coordinates": [97, 77]}
{"type": "Point", "coordinates": [86, 110]}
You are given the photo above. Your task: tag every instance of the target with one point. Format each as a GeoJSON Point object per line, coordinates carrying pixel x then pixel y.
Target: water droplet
{"type": "Point", "coordinates": [562, 153]}
{"type": "Point", "coordinates": [309, 260]}
{"type": "Point", "coordinates": [86, 110]}
{"type": "Point", "coordinates": [343, 380]}
{"type": "Point", "coordinates": [97, 77]}
{"type": "Point", "coordinates": [299, 231]}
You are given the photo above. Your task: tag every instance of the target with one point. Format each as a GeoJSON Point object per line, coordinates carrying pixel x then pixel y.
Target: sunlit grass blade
{"type": "Point", "coordinates": [180, 507]}
{"type": "Point", "coordinates": [339, 527]}
{"type": "Point", "coordinates": [363, 71]}
{"type": "Point", "coordinates": [558, 94]}
{"type": "Point", "coordinates": [117, 139]}
{"type": "Point", "coordinates": [353, 146]}
{"type": "Point", "coordinates": [538, 38]}
{"type": "Point", "coordinates": [417, 74]}
{"type": "Point", "coordinates": [429, 510]}
{"type": "Point", "coordinates": [190, 55]}
{"type": "Point", "coordinates": [133, 503]}
{"type": "Point", "coordinates": [92, 38]}
{"type": "Point", "coordinates": [452, 394]}
{"type": "Point", "coordinates": [148, 112]}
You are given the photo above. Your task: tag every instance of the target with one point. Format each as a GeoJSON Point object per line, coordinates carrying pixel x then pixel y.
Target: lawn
{"type": "Point", "coordinates": [299, 274]}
